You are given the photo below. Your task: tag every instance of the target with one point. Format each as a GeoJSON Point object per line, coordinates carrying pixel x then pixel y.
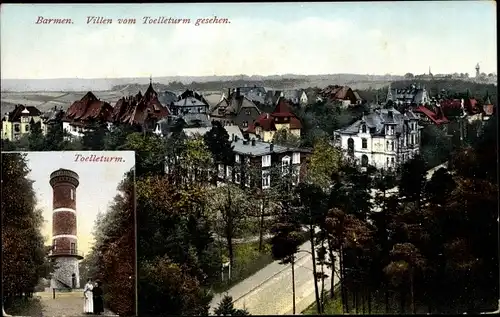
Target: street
{"type": "Point", "coordinates": [269, 291]}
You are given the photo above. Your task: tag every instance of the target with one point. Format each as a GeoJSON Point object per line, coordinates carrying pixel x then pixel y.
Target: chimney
{"type": "Point", "coordinates": [228, 92]}
{"type": "Point", "coordinates": [271, 147]}
{"type": "Point", "coordinates": [238, 92]}
{"type": "Point", "coordinates": [235, 138]}
{"type": "Point", "coordinates": [232, 137]}
{"type": "Point", "coordinates": [253, 142]}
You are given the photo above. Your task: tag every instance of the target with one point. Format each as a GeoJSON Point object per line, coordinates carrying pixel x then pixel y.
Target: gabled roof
{"type": "Point", "coordinates": [233, 105]}
{"type": "Point", "coordinates": [137, 109]}
{"type": "Point", "coordinates": [437, 118]}
{"type": "Point", "coordinates": [282, 109]}
{"type": "Point", "coordinates": [89, 108]}
{"type": "Point", "coordinates": [336, 92]}
{"type": "Point", "coordinates": [19, 110]}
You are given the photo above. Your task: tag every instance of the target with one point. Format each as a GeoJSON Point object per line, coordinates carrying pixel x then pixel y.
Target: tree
{"type": "Point", "coordinates": [166, 288]}
{"type": "Point", "coordinates": [285, 243]}
{"type": "Point", "coordinates": [150, 152]}
{"type": "Point", "coordinates": [286, 138]}
{"type": "Point", "coordinates": [407, 259]}
{"type": "Point", "coordinates": [116, 138]}
{"type": "Point", "coordinates": [24, 255]}
{"type": "Point", "coordinates": [226, 308]}
{"type": "Point", "coordinates": [112, 258]}
{"type": "Point", "coordinates": [413, 180]}
{"type": "Point", "coordinates": [219, 144]}
{"type": "Point", "coordinates": [196, 160]}
{"type": "Point", "coordinates": [232, 208]}
{"type": "Point", "coordinates": [440, 186]}
{"type": "Point", "coordinates": [94, 136]}
{"type": "Point", "coordinates": [35, 137]}
{"type": "Point", "coordinates": [409, 75]}
{"type": "Point", "coordinates": [325, 161]}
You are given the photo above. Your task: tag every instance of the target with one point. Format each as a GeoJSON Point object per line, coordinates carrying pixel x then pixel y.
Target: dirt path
{"type": "Point", "coordinates": [64, 305]}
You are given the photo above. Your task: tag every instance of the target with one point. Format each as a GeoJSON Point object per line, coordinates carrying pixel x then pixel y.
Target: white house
{"type": "Point", "coordinates": [384, 138]}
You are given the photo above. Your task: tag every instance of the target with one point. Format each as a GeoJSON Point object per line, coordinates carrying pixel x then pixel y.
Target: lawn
{"type": "Point", "coordinates": [247, 261]}
{"type": "Point", "coordinates": [25, 307]}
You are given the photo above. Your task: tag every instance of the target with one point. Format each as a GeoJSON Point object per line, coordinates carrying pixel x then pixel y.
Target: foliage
{"type": "Point", "coordinates": [35, 137]}
{"type": "Point", "coordinates": [150, 152]}
{"type": "Point", "coordinates": [112, 259]}
{"type": "Point", "coordinates": [436, 145]}
{"type": "Point", "coordinates": [285, 138]}
{"type": "Point", "coordinates": [24, 256]}
{"type": "Point", "coordinates": [226, 308]}
{"type": "Point", "coordinates": [219, 144]}
{"type": "Point", "coordinates": [94, 136]}
{"type": "Point", "coordinates": [325, 162]}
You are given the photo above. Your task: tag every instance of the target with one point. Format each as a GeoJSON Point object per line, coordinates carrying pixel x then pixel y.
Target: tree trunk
{"type": "Point", "coordinates": [261, 228]}
{"type": "Point", "coordinates": [293, 283]}
{"type": "Point", "coordinates": [322, 288]}
{"type": "Point", "coordinates": [332, 262]}
{"type": "Point", "coordinates": [363, 301]}
{"type": "Point", "coordinates": [343, 292]}
{"type": "Point", "coordinates": [412, 293]}
{"type": "Point", "coordinates": [386, 293]}
{"type": "Point", "coordinates": [316, 290]}
{"type": "Point", "coordinates": [369, 303]}
{"type": "Point", "coordinates": [355, 300]}
{"type": "Point", "coordinates": [230, 248]}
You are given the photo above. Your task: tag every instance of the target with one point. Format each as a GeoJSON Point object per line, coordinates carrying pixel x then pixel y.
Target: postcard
{"type": "Point", "coordinates": [68, 231]}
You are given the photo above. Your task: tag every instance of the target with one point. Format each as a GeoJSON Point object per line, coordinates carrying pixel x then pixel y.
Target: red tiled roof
{"type": "Point", "coordinates": [266, 122]}
{"type": "Point", "coordinates": [136, 109]}
{"type": "Point", "coordinates": [336, 92]}
{"type": "Point", "coordinates": [434, 117]}
{"type": "Point", "coordinates": [89, 108]}
{"type": "Point", "coordinates": [282, 109]}
{"type": "Point", "coordinates": [470, 105]}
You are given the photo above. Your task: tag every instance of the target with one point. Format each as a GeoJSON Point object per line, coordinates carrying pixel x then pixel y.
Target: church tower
{"type": "Point", "coordinates": [478, 74]}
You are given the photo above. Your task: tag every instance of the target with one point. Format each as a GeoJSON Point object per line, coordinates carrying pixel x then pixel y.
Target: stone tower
{"type": "Point", "coordinates": [478, 74]}
{"type": "Point", "coordinates": [64, 231]}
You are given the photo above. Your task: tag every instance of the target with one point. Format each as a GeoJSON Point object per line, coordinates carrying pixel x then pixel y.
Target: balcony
{"type": "Point", "coordinates": [66, 252]}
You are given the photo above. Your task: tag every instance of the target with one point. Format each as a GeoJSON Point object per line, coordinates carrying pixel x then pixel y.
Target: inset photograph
{"type": "Point", "coordinates": [68, 233]}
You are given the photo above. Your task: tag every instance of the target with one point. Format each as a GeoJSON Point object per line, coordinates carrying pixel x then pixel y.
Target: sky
{"type": "Point", "coordinates": [97, 188]}
{"type": "Point", "coordinates": [261, 39]}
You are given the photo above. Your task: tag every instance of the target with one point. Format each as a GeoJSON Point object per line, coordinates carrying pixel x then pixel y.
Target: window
{"type": "Point", "coordinates": [247, 184]}
{"type": "Point", "coordinates": [392, 161]}
{"type": "Point", "coordinates": [363, 128]}
{"type": "Point", "coordinates": [296, 175]}
{"type": "Point", "coordinates": [350, 146]}
{"type": "Point", "coordinates": [247, 160]}
{"type": "Point", "coordinates": [72, 194]}
{"type": "Point", "coordinates": [266, 179]}
{"type": "Point", "coordinates": [285, 164]}
{"type": "Point", "coordinates": [364, 161]}
{"type": "Point", "coordinates": [392, 146]}
{"type": "Point", "coordinates": [237, 177]}
{"type": "Point", "coordinates": [229, 172]}
{"type": "Point", "coordinates": [266, 160]}
{"type": "Point", "coordinates": [17, 128]}
{"type": "Point", "coordinates": [387, 146]}
{"type": "Point", "coordinates": [364, 143]}
{"type": "Point", "coordinates": [237, 158]}
{"type": "Point", "coordinates": [73, 128]}
{"type": "Point", "coordinates": [73, 248]}
{"type": "Point", "coordinates": [247, 112]}
{"type": "Point", "coordinates": [54, 244]}
{"type": "Point", "coordinates": [221, 170]}
{"type": "Point", "coordinates": [27, 127]}
{"type": "Point", "coordinates": [387, 163]}
{"type": "Point", "coordinates": [296, 158]}
{"type": "Point", "coordinates": [245, 124]}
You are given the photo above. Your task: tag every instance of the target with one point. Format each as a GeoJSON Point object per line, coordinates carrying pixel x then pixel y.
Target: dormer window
{"type": "Point", "coordinates": [363, 128]}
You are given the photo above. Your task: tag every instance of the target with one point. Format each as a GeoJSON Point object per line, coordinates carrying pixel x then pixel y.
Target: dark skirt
{"type": "Point", "coordinates": [98, 305]}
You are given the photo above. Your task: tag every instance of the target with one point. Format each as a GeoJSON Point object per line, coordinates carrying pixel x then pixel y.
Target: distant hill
{"type": "Point", "coordinates": [103, 84]}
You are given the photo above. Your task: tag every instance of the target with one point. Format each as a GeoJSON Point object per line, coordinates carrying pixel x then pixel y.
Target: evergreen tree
{"type": "Point", "coordinates": [226, 308]}
{"type": "Point", "coordinates": [36, 138]}
{"type": "Point", "coordinates": [24, 256]}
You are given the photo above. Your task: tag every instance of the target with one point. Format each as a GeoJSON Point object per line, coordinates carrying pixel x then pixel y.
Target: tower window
{"type": "Point", "coordinates": [72, 193]}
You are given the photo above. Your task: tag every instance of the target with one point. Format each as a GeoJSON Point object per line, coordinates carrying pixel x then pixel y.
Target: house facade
{"type": "Point", "coordinates": [18, 122]}
{"type": "Point", "coordinates": [266, 125]}
{"type": "Point", "coordinates": [236, 109]}
{"type": "Point", "coordinates": [260, 164]}
{"type": "Point", "coordinates": [384, 138]}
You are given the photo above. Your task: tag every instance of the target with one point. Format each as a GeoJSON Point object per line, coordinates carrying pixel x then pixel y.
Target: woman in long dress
{"type": "Point", "coordinates": [88, 304]}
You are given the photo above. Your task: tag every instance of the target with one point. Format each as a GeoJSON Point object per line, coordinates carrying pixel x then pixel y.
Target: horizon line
{"type": "Point", "coordinates": [237, 75]}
